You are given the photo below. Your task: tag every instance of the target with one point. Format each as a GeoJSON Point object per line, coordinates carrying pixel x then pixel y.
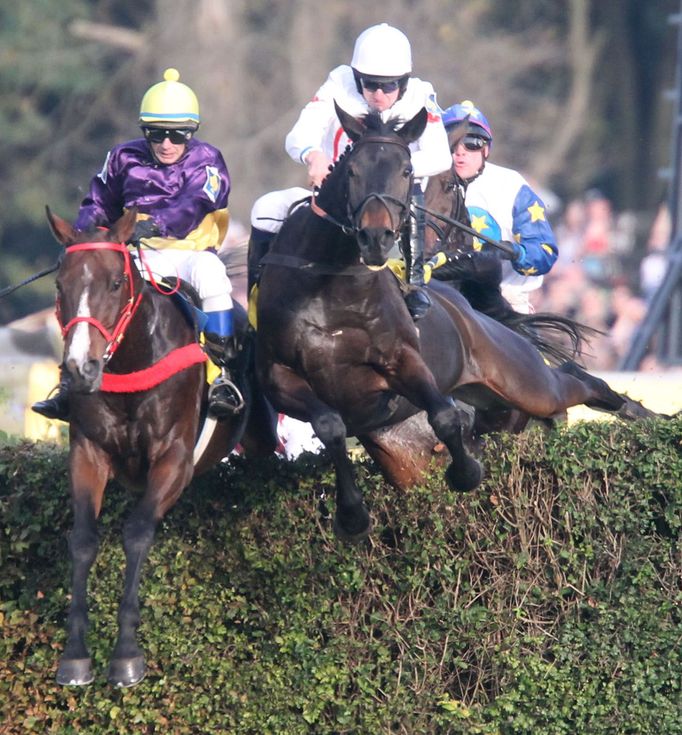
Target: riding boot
{"type": "Point", "coordinates": [225, 399]}
{"type": "Point", "coordinates": [56, 406]}
{"type": "Point", "coordinates": [259, 244]}
{"type": "Point", "coordinates": [416, 299]}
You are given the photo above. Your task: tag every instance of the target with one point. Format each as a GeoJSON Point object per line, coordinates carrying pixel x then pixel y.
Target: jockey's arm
{"type": "Point", "coordinates": [534, 242]}
{"type": "Point", "coordinates": [102, 205]}
{"type": "Point", "coordinates": [307, 135]}
{"type": "Point", "coordinates": [318, 164]}
{"type": "Point", "coordinates": [431, 153]}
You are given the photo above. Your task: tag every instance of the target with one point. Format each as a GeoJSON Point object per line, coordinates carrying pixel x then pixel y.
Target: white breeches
{"type": "Point", "coordinates": [202, 269]}
{"type": "Point", "coordinates": [519, 300]}
{"type": "Point", "coordinates": [273, 207]}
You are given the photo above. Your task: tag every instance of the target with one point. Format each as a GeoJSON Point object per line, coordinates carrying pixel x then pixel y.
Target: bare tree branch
{"type": "Point", "coordinates": [123, 38]}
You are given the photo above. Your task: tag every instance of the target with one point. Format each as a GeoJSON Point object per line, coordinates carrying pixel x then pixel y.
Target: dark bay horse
{"type": "Point", "coordinates": [137, 391]}
{"type": "Point", "coordinates": [336, 345]}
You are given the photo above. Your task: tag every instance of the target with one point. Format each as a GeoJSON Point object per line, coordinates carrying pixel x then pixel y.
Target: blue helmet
{"type": "Point", "coordinates": [478, 123]}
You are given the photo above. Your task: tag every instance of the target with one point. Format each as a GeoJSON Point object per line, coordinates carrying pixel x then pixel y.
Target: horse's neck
{"type": "Point", "coordinates": [156, 328]}
{"type": "Point", "coordinates": [332, 195]}
{"type": "Point", "coordinates": [314, 239]}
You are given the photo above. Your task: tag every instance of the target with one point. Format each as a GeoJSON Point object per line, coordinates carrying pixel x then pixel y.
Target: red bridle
{"type": "Point", "coordinates": [114, 337]}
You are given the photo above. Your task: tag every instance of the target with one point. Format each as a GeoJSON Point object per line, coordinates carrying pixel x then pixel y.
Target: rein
{"type": "Point", "coordinates": [11, 289]}
{"type": "Point", "coordinates": [317, 268]}
{"type": "Point", "coordinates": [500, 245]}
{"type": "Point", "coordinates": [115, 337]}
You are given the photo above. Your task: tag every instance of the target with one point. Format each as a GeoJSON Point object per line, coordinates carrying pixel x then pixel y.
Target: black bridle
{"type": "Point", "coordinates": [353, 215]}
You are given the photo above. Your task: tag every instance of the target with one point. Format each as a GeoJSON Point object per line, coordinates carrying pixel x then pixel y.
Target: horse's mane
{"type": "Point", "coordinates": [376, 126]}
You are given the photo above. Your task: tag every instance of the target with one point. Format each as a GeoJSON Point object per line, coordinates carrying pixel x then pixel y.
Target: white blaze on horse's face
{"type": "Point", "coordinates": [80, 339]}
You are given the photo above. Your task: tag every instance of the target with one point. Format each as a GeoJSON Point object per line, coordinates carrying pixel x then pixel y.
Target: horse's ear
{"type": "Point", "coordinates": [353, 127]}
{"type": "Point", "coordinates": [456, 133]}
{"type": "Point", "coordinates": [122, 230]}
{"type": "Point", "coordinates": [61, 229]}
{"type": "Point", "coordinates": [413, 128]}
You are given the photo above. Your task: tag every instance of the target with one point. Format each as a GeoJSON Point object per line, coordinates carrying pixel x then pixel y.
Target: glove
{"type": "Point", "coordinates": [481, 266]}
{"type": "Point", "coordinates": [145, 228]}
{"type": "Point", "coordinates": [452, 265]}
{"type": "Point", "coordinates": [513, 246]}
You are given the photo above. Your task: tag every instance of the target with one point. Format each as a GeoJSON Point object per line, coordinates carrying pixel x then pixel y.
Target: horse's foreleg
{"type": "Point", "coordinates": [167, 479]}
{"type": "Point", "coordinates": [127, 666]}
{"type": "Point", "coordinates": [352, 520]}
{"type": "Point", "coordinates": [293, 395]}
{"type": "Point", "coordinates": [449, 422]}
{"type": "Point", "coordinates": [88, 477]}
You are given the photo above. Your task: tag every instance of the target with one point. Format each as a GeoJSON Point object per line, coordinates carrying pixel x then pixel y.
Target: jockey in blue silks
{"type": "Point", "coordinates": [501, 205]}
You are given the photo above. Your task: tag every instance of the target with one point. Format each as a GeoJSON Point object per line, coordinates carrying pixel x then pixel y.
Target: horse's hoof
{"type": "Point", "coordinates": [75, 672]}
{"type": "Point", "coordinates": [353, 533]}
{"type": "Point", "coordinates": [464, 479]}
{"type": "Point", "coordinates": [126, 672]}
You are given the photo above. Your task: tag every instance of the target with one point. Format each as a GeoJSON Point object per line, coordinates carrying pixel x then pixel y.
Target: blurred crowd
{"type": "Point", "coordinates": [601, 278]}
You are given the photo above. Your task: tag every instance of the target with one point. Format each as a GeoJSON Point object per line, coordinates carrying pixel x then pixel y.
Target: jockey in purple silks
{"type": "Point", "coordinates": [180, 186]}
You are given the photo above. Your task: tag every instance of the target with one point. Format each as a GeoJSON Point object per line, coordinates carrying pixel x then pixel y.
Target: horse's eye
{"type": "Point", "coordinates": [351, 172]}
{"type": "Point", "coordinates": [116, 284]}
{"type": "Point", "coordinates": [407, 172]}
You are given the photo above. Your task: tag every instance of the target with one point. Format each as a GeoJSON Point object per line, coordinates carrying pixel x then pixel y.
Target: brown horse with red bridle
{"type": "Point", "coordinates": [137, 397]}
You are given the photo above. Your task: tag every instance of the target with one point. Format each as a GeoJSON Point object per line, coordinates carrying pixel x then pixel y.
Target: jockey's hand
{"type": "Point", "coordinates": [482, 266]}
{"type": "Point", "coordinates": [318, 167]}
{"type": "Point", "coordinates": [513, 246]}
{"type": "Point", "coordinates": [145, 228]}
{"type": "Point", "coordinates": [519, 259]}
{"type": "Point", "coordinates": [454, 264]}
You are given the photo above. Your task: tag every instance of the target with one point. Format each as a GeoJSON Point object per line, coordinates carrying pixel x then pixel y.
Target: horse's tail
{"type": "Point", "coordinates": [558, 338]}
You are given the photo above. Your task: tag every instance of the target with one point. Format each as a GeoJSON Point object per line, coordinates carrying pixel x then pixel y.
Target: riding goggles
{"type": "Point", "coordinates": [372, 85]}
{"type": "Point", "coordinates": [158, 135]}
{"type": "Point", "coordinates": [474, 142]}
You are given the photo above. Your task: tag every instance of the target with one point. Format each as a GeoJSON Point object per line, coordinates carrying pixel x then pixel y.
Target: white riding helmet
{"type": "Point", "coordinates": [382, 51]}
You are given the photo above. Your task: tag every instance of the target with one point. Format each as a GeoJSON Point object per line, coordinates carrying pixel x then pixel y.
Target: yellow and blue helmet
{"type": "Point", "coordinates": [170, 104]}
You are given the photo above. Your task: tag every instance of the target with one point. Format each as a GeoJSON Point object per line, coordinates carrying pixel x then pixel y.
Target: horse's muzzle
{"type": "Point", "coordinates": [375, 244]}
{"type": "Point", "coordinates": [85, 378]}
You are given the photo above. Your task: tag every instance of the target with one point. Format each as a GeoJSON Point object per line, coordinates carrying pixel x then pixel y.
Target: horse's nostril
{"type": "Point", "coordinates": [91, 369]}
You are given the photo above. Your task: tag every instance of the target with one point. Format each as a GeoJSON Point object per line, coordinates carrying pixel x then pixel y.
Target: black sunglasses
{"type": "Point", "coordinates": [473, 142]}
{"type": "Point", "coordinates": [158, 135]}
{"type": "Point", "coordinates": [385, 87]}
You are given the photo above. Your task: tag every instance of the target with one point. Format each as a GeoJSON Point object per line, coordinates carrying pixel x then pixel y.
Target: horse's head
{"type": "Point", "coordinates": [378, 180]}
{"type": "Point", "coordinates": [443, 196]}
{"type": "Point", "coordinates": [95, 296]}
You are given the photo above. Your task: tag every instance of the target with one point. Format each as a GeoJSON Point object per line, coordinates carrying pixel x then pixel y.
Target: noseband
{"type": "Point", "coordinates": [354, 214]}
{"type": "Point", "coordinates": [114, 337]}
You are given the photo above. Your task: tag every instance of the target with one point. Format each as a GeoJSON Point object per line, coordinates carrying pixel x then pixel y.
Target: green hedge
{"type": "Point", "coordinates": [547, 601]}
